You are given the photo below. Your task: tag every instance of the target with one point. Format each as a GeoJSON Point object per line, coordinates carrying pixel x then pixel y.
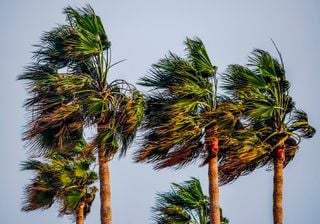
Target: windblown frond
{"type": "Point", "coordinates": [87, 36]}
{"type": "Point", "coordinates": [184, 203]}
{"type": "Point", "coordinates": [199, 58]}
{"type": "Point", "coordinates": [119, 114]}
{"type": "Point", "coordinates": [299, 123]}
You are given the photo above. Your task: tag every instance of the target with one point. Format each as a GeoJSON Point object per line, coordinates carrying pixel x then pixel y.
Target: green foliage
{"type": "Point", "coordinates": [269, 111]}
{"type": "Point", "coordinates": [59, 180]}
{"type": "Point", "coordinates": [69, 91]}
{"type": "Point", "coordinates": [184, 203]}
{"type": "Point", "coordinates": [184, 112]}
{"type": "Point", "coordinates": [87, 36]}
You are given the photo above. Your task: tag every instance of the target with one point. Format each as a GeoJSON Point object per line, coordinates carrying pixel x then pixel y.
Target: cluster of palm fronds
{"type": "Point", "coordinates": [60, 180]}
{"type": "Point", "coordinates": [268, 111]}
{"type": "Point", "coordinates": [253, 124]}
{"type": "Point", "coordinates": [185, 203]}
{"type": "Point", "coordinates": [184, 108]}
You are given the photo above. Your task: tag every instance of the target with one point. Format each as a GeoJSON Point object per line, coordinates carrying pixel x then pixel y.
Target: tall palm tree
{"type": "Point", "coordinates": [185, 120]}
{"type": "Point", "coordinates": [62, 181]}
{"type": "Point", "coordinates": [263, 90]}
{"type": "Point", "coordinates": [69, 87]}
{"type": "Point", "coordinates": [185, 203]}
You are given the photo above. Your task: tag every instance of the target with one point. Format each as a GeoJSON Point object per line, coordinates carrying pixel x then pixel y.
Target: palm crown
{"type": "Point", "coordinates": [183, 110]}
{"type": "Point", "coordinates": [68, 83]}
{"type": "Point", "coordinates": [184, 203]}
{"type": "Point", "coordinates": [62, 181]}
{"type": "Point", "coordinates": [263, 91]}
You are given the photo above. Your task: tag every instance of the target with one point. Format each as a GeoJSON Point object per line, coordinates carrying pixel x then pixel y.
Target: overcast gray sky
{"type": "Point", "coordinates": [142, 31]}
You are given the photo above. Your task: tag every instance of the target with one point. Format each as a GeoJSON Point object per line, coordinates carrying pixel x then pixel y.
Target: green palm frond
{"type": "Point", "coordinates": [198, 55]}
{"type": "Point", "coordinates": [240, 82]}
{"type": "Point", "coordinates": [87, 36]}
{"type": "Point", "coordinates": [33, 165]}
{"type": "Point", "coordinates": [51, 50]}
{"type": "Point", "coordinates": [245, 160]}
{"type": "Point", "coordinates": [128, 118]}
{"type": "Point", "coordinates": [81, 169]}
{"type": "Point", "coordinates": [64, 83]}
{"type": "Point", "coordinates": [37, 71]}
{"type": "Point", "coordinates": [266, 65]}
{"type": "Point", "coordinates": [60, 130]}
{"type": "Point", "coordinates": [169, 72]}
{"type": "Point", "coordinates": [71, 201]}
{"type": "Point", "coordinates": [40, 193]}
{"type": "Point", "coordinates": [299, 123]}
{"type": "Point", "coordinates": [179, 136]}
{"type": "Point", "coordinates": [119, 114]}
{"type": "Point", "coordinates": [37, 197]}
{"type": "Point", "coordinates": [82, 38]}
{"type": "Point", "coordinates": [177, 77]}
{"type": "Point", "coordinates": [184, 203]}
{"type": "Point", "coordinates": [55, 119]}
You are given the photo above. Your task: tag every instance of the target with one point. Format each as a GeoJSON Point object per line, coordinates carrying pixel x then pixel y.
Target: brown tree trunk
{"type": "Point", "coordinates": [80, 214]}
{"type": "Point", "coordinates": [214, 183]}
{"type": "Point", "coordinates": [105, 194]}
{"type": "Point", "coordinates": [278, 161]}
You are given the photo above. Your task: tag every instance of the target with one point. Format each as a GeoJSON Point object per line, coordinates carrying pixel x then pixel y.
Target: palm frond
{"type": "Point", "coordinates": [199, 57]}
{"type": "Point", "coordinates": [267, 66]}
{"type": "Point", "coordinates": [37, 197]}
{"type": "Point", "coordinates": [87, 36]}
{"type": "Point", "coordinates": [184, 203]}
{"type": "Point", "coordinates": [241, 82]}
{"type": "Point", "coordinates": [119, 113]}
{"type": "Point", "coordinates": [299, 123]}
{"type": "Point", "coordinates": [51, 49]}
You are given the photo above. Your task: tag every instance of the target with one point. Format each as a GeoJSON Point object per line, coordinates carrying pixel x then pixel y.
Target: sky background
{"type": "Point", "coordinates": [142, 32]}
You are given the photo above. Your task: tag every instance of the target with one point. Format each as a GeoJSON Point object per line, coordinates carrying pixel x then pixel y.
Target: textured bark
{"type": "Point", "coordinates": [278, 161]}
{"type": "Point", "coordinates": [105, 194]}
{"type": "Point", "coordinates": [214, 183]}
{"type": "Point", "coordinates": [80, 214]}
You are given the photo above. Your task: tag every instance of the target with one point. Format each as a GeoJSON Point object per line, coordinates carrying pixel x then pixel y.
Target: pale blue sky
{"type": "Point", "coordinates": [142, 31]}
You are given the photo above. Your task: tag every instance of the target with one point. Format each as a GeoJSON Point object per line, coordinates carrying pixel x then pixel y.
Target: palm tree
{"type": "Point", "coordinates": [185, 203]}
{"type": "Point", "coordinates": [185, 120]}
{"type": "Point", "coordinates": [70, 91]}
{"type": "Point", "coordinates": [62, 181]}
{"type": "Point", "coordinates": [278, 126]}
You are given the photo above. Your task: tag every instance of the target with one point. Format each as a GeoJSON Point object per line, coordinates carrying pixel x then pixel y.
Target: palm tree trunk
{"type": "Point", "coordinates": [214, 183]}
{"type": "Point", "coordinates": [80, 214]}
{"type": "Point", "coordinates": [278, 185]}
{"type": "Point", "coordinates": [105, 193]}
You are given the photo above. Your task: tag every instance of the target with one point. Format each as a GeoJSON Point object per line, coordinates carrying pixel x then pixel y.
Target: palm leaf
{"type": "Point", "coordinates": [184, 203]}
